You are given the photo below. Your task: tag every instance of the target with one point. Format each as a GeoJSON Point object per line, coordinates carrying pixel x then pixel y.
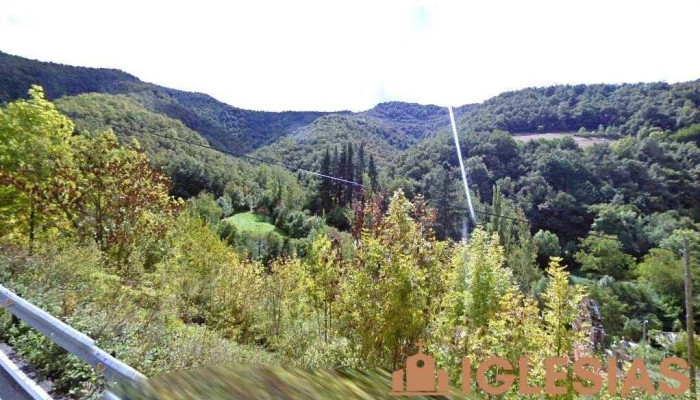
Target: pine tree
{"type": "Point", "coordinates": [337, 171]}
{"type": "Point", "coordinates": [445, 197]}
{"type": "Point", "coordinates": [372, 172]}
{"type": "Point", "coordinates": [360, 170]}
{"type": "Point", "coordinates": [349, 174]}
{"type": "Point", "coordinates": [326, 186]}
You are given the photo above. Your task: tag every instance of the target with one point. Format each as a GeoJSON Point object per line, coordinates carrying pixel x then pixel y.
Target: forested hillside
{"type": "Point", "coordinates": [224, 126]}
{"type": "Point", "coordinates": [624, 108]}
{"type": "Point", "coordinates": [560, 186]}
{"type": "Point", "coordinates": [193, 169]}
{"type": "Point", "coordinates": [385, 130]}
{"type": "Point", "coordinates": [392, 127]}
{"type": "Point", "coordinates": [19, 74]}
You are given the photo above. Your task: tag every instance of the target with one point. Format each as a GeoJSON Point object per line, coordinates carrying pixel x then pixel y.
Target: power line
{"type": "Point", "coordinates": [349, 182]}
{"type": "Point", "coordinates": [296, 169]}
{"type": "Point", "coordinates": [256, 159]}
{"type": "Point", "coordinates": [539, 224]}
{"type": "Point", "coordinates": [233, 154]}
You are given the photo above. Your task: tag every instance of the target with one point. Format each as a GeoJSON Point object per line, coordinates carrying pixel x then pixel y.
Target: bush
{"type": "Point", "coordinates": [298, 224]}
{"type": "Point", "coordinates": [340, 217]}
{"type": "Point", "coordinates": [207, 208]}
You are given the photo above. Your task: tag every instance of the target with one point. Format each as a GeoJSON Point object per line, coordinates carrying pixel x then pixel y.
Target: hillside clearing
{"type": "Point", "coordinates": [250, 222]}
{"type": "Point", "coordinates": [581, 141]}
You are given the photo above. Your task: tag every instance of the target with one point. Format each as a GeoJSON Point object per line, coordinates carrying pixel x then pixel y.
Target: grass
{"type": "Point", "coordinates": [254, 223]}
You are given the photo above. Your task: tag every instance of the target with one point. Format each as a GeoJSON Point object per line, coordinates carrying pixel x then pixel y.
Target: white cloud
{"type": "Point", "coordinates": [329, 55]}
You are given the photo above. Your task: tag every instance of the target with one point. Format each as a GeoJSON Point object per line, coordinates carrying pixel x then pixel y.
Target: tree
{"type": "Point", "coordinates": [103, 191]}
{"type": "Point", "coordinates": [392, 287]}
{"type": "Point", "coordinates": [522, 258]}
{"type": "Point", "coordinates": [338, 170]}
{"type": "Point", "coordinates": [361, 162]}
{"type": "Point", "coordinates": [35, 155]}
{"type": "Point", "coordinates": [484, 311]}
{"type": "Point", "coordinates": [601, 256]}
{"type": "Point", "coordinates": [547, 246]}
{"type": "Point", "coordinates": [226, 204]}
{"type": "Point", "coordinates": [501, 219]}
{"type": "Point", "coordinates": [120, 197]}
{"type": "Point", "coordinates": [207, 281]}
{"type": "Point", "coordinates": [325, 187]}
{"type": "Point", "coordinates": [477, 280]}
{"type": "Point", "coordinates": [207, 208]}
{"type": "Point", "coordinates": [562, 303]}
{"type": "Point", "coordinates": [514, 235]}
{"type": "Point", "coordinates": [373, 174]}
{"type": "Point", "coordinates": [624, 222]}
{"type": "Point", "coordinates": [663, 272]}
{"type": "Point", "coordinates": [486, 279]}
{"type": "Point", "coordinates": [445, 197]}
{"type": "Point", "coordinates": [349, 174]}
{"type": "Point", "coordinates": [322, 268]}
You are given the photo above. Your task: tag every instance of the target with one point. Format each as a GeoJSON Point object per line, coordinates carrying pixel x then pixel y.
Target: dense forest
{"type": "Point", "coordinates": [625, 108]}
{"type": "Point", "coordinates": [118, 215]}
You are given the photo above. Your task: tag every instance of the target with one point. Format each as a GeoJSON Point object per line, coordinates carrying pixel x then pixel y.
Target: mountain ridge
{"type": "Point", "coordinates": [390, 128]}
{"type": "Point", "coordinates": [224, 126]}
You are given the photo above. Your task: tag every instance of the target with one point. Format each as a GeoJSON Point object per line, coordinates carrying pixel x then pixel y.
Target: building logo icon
{"type": "Point", "coordinates": [420, 374]}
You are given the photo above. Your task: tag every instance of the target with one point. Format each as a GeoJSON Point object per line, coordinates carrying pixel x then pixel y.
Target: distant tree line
{"type": "Point", "coordinates": [349, 167]}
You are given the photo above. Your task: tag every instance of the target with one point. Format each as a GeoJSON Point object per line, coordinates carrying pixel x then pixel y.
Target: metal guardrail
{"type": "Point", "coordinates": [28, 386]}
{"type": "Point", "coordinates": [72, 340]}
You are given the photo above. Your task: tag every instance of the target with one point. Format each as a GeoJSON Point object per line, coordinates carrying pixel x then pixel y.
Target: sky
{"type": "Point", "coordinates": [331, 55]}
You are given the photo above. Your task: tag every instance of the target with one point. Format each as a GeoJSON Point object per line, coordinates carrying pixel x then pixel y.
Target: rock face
{"type": "Point", "coordinates": [590, 319]}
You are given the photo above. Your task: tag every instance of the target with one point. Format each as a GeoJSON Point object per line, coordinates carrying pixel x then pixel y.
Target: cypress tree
{"type": "Point", "coordinates": [336, 167]}
{"type": "Point", "coordinates": [445, 198]}
{"type": "Point", "coordinates": [349, 174]}
{"type": "Point", "coordinates": [326, 186]}
{"type": "Point", "coordinates": [372, 172]}
{"type": "Point", "coordinates": [341, 173]}
{"type": "Point", "coordinates": [360, 170]}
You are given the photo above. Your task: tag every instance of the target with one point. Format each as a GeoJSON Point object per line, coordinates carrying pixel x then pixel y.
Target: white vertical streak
{"type": "Point", "coordinates": [461, 165]}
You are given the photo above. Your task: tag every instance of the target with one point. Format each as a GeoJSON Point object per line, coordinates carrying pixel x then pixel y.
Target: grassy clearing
{"type": "Point", "coordinates": [582, 141]}
{"type": "Point", "coordinates": [254, 223]}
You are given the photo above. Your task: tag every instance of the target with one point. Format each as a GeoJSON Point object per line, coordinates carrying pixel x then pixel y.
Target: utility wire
{"type": "Point", "coordinates": [538, 224]}
{"type": "Point", "coordinates": [234, 154]}
{"type": "Point", "coordinates": [345, 181]}
{"type": "Point", "coordinates": [261, 160]}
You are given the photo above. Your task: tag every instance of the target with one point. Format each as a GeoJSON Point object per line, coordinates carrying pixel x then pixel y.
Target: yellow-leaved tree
{"type": "Point", "coordinates": [35, 155]}
{"type": "Point", "coordinates": [393, 285]}
{"type": "Point", "coordinates": [485, 314]}
{"type": "Point", "coordinates": [562, 303]}
{"type": "Point", "coordinates": [478, 281]}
